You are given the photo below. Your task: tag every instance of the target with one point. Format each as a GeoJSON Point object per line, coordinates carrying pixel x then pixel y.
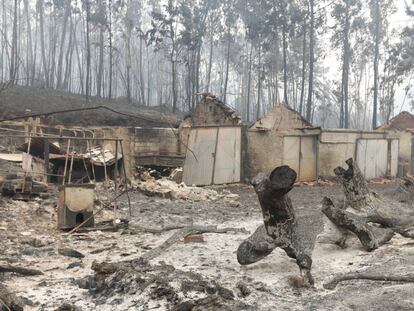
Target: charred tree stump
{"type": "Point", "coordinates": [354, 185]}
{"type": "Point", "coordinates": [363, 207]}
{"type": "Point", "coordinates": [280, 226]}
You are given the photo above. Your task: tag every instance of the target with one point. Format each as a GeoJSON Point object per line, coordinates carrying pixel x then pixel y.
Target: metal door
{"type": "Point", "coordinates": [291, 150]}
{"type": "Point", "coordinates": [199, 161]}
{"type": "Point", "coordinates": [213, 156]}
{"type": "Point", "coordinates": [300, 153]}
{"type": "Point", "coordinates": [307, 156]}
{"type": "Point", "coordinates": [372, 157]}
{"type": "Point", "coordinates": [393, 163]}
{"type": "Point", "coordinates": [228, 153]}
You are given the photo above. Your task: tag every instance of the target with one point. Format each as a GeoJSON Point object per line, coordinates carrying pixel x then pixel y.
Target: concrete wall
{"type": "Point", "coordinates": [159, 141]}
{"type": "Point", "coordinates": [264, 152]}
{"type": "Point", "coordinates": [265, 148]}
{"type": "Point", "coordinates": [336, 146]}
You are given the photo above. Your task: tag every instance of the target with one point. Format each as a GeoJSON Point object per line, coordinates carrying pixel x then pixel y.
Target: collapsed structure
{"type": "Point", "coordinates": [215, 147]}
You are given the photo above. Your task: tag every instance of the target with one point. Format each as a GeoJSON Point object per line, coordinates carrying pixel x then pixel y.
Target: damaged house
{"type": "Point", "coordinates": [402, 125]}
{"type": "Point", "coordinates": [213, 138]}
{"type": "Point", "coordinates": [214, 147]}
{"type": "Point", "coordinates": [283, 137]}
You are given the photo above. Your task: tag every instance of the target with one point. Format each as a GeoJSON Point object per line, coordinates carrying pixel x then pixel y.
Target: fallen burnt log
{"type": "Point", "coordinates": [19, 270]}
{"type": "Point", "coordinates": [186, 231]}
{"type": "Point", "coordinates": [363, 207]}
{"type": "Point", "coordinates": [280, 227]}
{"type": "Point", "coordinates": [371, 276]}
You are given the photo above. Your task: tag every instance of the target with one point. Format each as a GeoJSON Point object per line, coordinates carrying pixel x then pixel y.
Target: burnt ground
{"type": "Point", "coordinates": [192, 271]}
{"type": "Point", "coordinates": [19, 101]}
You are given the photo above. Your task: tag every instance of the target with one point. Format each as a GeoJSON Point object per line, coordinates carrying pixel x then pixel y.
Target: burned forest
{"type": "Point", "coordinates": [200, 155]}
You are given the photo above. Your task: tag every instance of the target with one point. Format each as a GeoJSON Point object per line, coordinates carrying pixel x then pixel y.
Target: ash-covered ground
{"type": "Point", "coordinates": [194, 275]}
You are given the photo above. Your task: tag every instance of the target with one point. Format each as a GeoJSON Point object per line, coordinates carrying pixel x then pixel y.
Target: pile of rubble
{"type": "Point", "coordinates": [168, 188]}
{"type": "Point", "coordinates": [141, 285]}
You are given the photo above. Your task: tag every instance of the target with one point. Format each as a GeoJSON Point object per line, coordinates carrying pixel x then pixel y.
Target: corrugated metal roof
{"type": "Point", "coordinates": [98, 156]}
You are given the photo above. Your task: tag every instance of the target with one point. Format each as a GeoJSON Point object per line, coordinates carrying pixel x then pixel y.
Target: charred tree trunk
{"type": "Point", "coordinates": [354, 185]}
{"type": "Point", "coordinates": [370, 236]}
{"type": "Point", "coordinates": [363, 207]}
{"type": "Point", "coordinates": [280, 226]}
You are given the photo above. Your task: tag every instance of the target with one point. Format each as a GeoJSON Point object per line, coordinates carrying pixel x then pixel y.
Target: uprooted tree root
{"type": "Point", "coordinates": [162, 282]}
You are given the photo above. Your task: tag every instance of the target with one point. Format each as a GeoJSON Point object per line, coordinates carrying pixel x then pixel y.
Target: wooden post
{"type": "Point", "coordinates": [46, 151]}
{"type": "Point", "coordinates": [90, 157]}
{"type": "Point", "coordinates": [66, 162]}
{"type": "Point", "coordinates": [104, 165]}
{"type": "Point", "coordinates": [116, 177]}
{"type": "Point", "coordinates": [126, 178]}
{"type": "Point", "coordinates": [28, 155]}
{"type": "Point", "coordinates": [116, 167]}
{"type": "Point", "coordinates": [46, 158]}
{"type": "Point", "coordinates": [71, 164]}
